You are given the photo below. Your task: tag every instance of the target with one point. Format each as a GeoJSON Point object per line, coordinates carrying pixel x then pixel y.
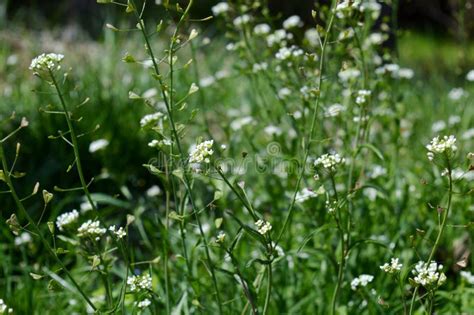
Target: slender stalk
{"type": "Point", "coordinates": [168, 99]}
{"type": "Point", "coordinates": [313, 125]}
{"type": "Point", "coordinates": [74, 141]}
{"type": "Point", "coordinates": [20, 206]}
{"type": "Point", "coordinates": [269, 289]}
{"type": "Point", "coordinates": [441, 229]}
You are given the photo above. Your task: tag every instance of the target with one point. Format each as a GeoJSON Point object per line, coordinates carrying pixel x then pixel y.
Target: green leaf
{"type": "Point", "coordinates": [218, 222]}
{"type": "Point", "coordinates": [36, 276]}
{"type": "Point", "coordinates": [128, 58]}
{"type": "Point", "coordinates": [372, 148]}
{"type": "Point", "coordinates": [130, 8]}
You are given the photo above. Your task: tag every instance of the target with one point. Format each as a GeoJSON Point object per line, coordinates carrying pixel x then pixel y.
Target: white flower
{"type": "Point", "coordinates": [393, 267]}
{"type": "Point", "coordinates": [312, 36]}
{"type": "Point", "coordinates": [24, 238]}
{"type": "Point", "coordinates": [4, 309]}
{"type": "Point", "coordinates": [284, 92]}
{"type": "Point", "coordinates": [261, 29]}
{"type": "Point", "coordinates": [454, 120]}
{"type": "Point", "coordinates": [292, 22]}
{"type": "Point", "coordinates": [429, 275]}
{"type": "Point", "coordinates": [98, 145]}
{"type": "Point", "coordinates": [151, 120]}
{"type": "Point", "coordinates": [348, 74]}
{"type": "Point", "coordinates": [470, 75]}
{"type": "Point", "coordinates": [238, 123]}
{"type": "Point", "coordinates": [120, 232]}
{"type": "Point", "coordinates": [468, 276]}
{"type": "Point", "coordinates": [362, 96]}
{"type": "Point", "coordinates": [306, 194]}
{"type": "Point", "coordinates": [334, 110]}
{"type": "Point", "coordinates": [143, 304]}
{"type": "Point", "coordinates": [468, 134]}
{"type": "Point", "coordinates": [207, 81]}
{"type": "Point", "coordinates": [45, 63]}
{"type": "Point", "coordinates": [202, 152]}
{"type": "Point", "coordinates": [91, 229]}
{"type": "Point", "coordinates": [220, 237]}
{"type": "Point", "coordinates": [329, 161]}
{"type": "Point", "coordinates": [456, 94]}
{"type": "Point", "coordinates": [66, 219]}
{"type": "Point", "coordinates": [259, 67]}
{"type": "Point", "coordinates": [241, 20]}
{"type": "Point", "coordinates": [139, 283]}
{"type": "Point", "coordinates": [361, 281]}
{"type": "Point", "coordinates": [263, 227]}
{"type": "Point", "coordinates": [278, 37]}
{"type": "Point", "coordinates": [272, 130]}
{"type": "Point", "coordinates": [220, 8]}
{"type": "Point", "coordinates": [438, 126]}
{"type": "Point", "coordinates": [153, 191]}
{"type": "Point", "coordinates": [443, 145]}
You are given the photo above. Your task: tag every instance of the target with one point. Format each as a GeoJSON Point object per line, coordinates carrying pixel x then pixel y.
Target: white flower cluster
{"type": "Point", "coordinates": [151, 120]}
{"type": "Point", "coordinates": [447, 144]}
{"type": "Point", "coordinates": [24, 238]}
{"type": "Point", "coordinates": [470, 75]}
{"type": "Point", "coordinates": [393, 267]}
{"type": "Point", "coordinates": [334, 110]}
{"type": "Point", "coordinates": [279, 37]}
{"type": "Point", "coordinates": [220, 8]}
{"type": "Point", "coordinates": [456, 94]}
{"type": "Point", "coordinates": [348, 74]}
{"type": "Point", "coordinates": [345, 7]}
{"type": "Point", "coordinates": [66, 219]}
{"type": "Point", "coordinates": [241, 20]}
{"type": "Point", "coordinates": [144, 303]}
{"type": "Point", "coordinates": [98, 145]}
{"type": "Point", "coordinates": [468, 276]}
{"type": "Point", "coordinates": [306, 194]}
{"type": "Point", "coordinates": [330, 161]}
{"type": "Point", "coordinates": [262, 29]}
{"type": "Point", "coordinates": [395, 71]}
{"type": "Point", "coordinates": [120, 232]}
{"type": "Point", "coordinates": [428, 275]}
{"type": "Point", "coordinates": [362, 96]}
{"type": "Point", "coordinates": [361, 281]}
{"type": "Point", "coordinates": [91, 229]}
{"type": "Point", "coordinates": [285, 53]}
{"type": "Point", "coordinates": [263, 227]}
{"type": "Point", "coordinates": [292, 22]}
{"type": "Point", "coordinates": [139, 283]}
{"type": "Point", "coordinates": [45, 63]}
{"type": "Point", "coordinates": [4, 309]}
{"type": "Point", "coordinates": [202, 152]}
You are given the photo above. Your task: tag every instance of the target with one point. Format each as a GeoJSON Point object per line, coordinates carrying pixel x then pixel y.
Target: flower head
{"type": "Point", "coordinates": [393, 267]}
{"type": "Point", "coordinates": [429, 275]}
{"type": "Point", "coordinates": [438, 145]}
{"type": "Point", "coordinates": [139, 283]}
{"type": "Point", "coordinates": [202, 152]}
{"type": "Point", "coordinates": [4, 309]}
{"type": "Point", "coordinates": [46, 63]}
{"type": "Point", "coordinates": [66, 219]}
{"type": "Point", "coordinates": [329, 161]}
{"type": "Point", "coordinates": [91, 229]}
{"type": "Point", "coordinates": [361, 281]}
{"type": "Point", "coordinates": [263, 227]}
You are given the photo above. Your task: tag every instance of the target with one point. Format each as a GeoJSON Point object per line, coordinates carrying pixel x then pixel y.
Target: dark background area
{"type": "Point", "coordinates": [443, 17]}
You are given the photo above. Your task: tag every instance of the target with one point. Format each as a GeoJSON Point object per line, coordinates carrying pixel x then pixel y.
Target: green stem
{"type": "Point", "coordinates": [269, 289]}
{"type": "Point", "coordinates": [74, 142]}
{"type": "Point", "coordinates": [20, 206]}
{"type": "Point", "coordinates": [313, 126]}
{"type": "Point", "coordinates": [168, 99]}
